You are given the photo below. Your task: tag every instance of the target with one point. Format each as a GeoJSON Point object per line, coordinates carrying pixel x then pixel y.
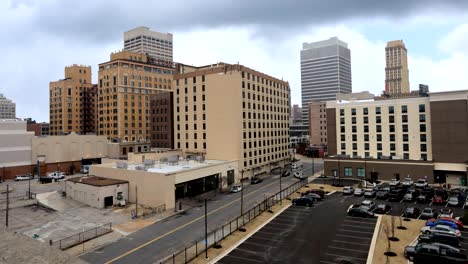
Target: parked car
{"type": "Point", "coordinates": [421, 183]}
{"type": "Point", "coordinates": [428, 213]}
{"type": "Point", "coordinates": [382, 194]}
{"type": "Point", "coordinates": [285, 173]}
{"type": "Point", "coordinates": [453, 201]}
{"type": "Point", "coordinates": [235, 188]}
{"type": "Point", "coordinates": [368, 204]}
{"type": "Point", "coordinates": [24, 177]}
{"type": "Point", "coordinates": [394, 182]}
{"type": "Point", "coordinates": [437, 199]}
{"type": "Point", "coordinates": [440, 229]}
{"type": "Point", "coordinates": [423, 198]}
{"type": "Point", "coordinates": [466, 202]}
{"type": "Point", "coordinates": [296, 165]}
{"type": "Point", "coordinates": [358, 192]}
{"type": "Point", "coordinates": [434, 253]}
{"type": "Point", "coordinates": [314, 196]}
{"type": "Point", "coordinates": [382, 209]}
{"type": "Point", "coordinates": [447, 239]}
{"type": "Point", "coordinates": [446, 212]}
{"type": "Point", "coordinates": [407, 182]}
{"type": "Point", "coordinates": [458, 223]}
{"type": "Point", "coordinates": [303, 201]}
{"type": "Point", "coordinates": [441, 192]}
{"type": "Point", "coordinates": [370, 192]}
{"type": "Point", "coordinates": [319, 192]}
{"type": "Point", "coordinates": [412, 212]}
{"type": "Point", "coordinates": [396, 195]}
{"type": "Point", "coordinates": [348, 190]}
{"type": "Point", "coordinates": [56, 175]}
{"type": "Point", "coordinates": [441, 221]}
{"type": "Point", "coordinates": [255, 180]}
{"type": "Point", "coordinates": [360, 212]}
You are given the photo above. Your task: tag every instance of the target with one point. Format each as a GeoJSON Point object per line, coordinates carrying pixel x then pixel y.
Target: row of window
{"type": "Point", "coordinates": [423, 147]}
{"type": "Point", "coordinates": [265, 159]}
{"type": "Point", "coordinates": [378, 110]}
{"type": "Point", "coordinates": [378, 128]}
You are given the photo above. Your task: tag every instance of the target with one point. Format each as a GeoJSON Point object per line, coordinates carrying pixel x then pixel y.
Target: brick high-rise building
{"type": "Point", "coordinates": [231, 112]}
{"type": "Point", "coordinates": [72, 102]}
{"type": "Point", "coordinates": [126, 83]}
{"type": "Point", "coordinates": [7, 108]}
{"type": "Point", "coordinates": [318, 123]}
{"type": "Point", "coordinates": [162, 120]}
{"type": "Point", "coordinates": [396, 68]}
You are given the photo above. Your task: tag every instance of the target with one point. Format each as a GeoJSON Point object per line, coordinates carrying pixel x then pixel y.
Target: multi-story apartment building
{"type": "Point", "coordinates": [232, 112]}
{"type": "Point", "coordinates": [126, 83]}
{"type": "Point", "coordinates": [162, 120]}
{"type": "Point", "coordinates": [39, 129]}
{"type": "Point", "coordinates": [414, 136]}
{"type": "Point", "coordinates": [318, 123]}
{"type": "Point", "coordinates": [152, 43]}
{"type": "Point", "coordinates": [296, 113]}
{"type": "Point", "coordinates": [7, 108]}
{"type": "Point", "coordinates": [396, 68]}
{"type": "Point", "coordinates": [72, 102]}
{"type": "Point", "coordinates": [325, 71]}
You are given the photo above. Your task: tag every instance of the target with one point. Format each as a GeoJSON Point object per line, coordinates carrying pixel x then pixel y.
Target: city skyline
{"type": "Point", "coordinates": [268, 42]}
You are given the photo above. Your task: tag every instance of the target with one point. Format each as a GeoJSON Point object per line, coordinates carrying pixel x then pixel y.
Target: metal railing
{"type": "Point", "coordinates": [81, 237]}
{"type": "Point", "coordinates": [17, 197]}
{"type": "Point", "coordinates": [198, 247]}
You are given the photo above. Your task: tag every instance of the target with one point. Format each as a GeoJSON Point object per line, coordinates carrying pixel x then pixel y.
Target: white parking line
{"type": "Point", "coordinates": [255, 236]}
{"type": "Point", "coordinates": [353, 231]}
{"type": "Point", "coordinates": [362, 227]}
{"type": "Point", "coordinates": [327, 262]}
{"type": "Point", "coordinates": [446, 205]}
{"type": "Point", "coordinates": [347, 249]}
{"type": "Point", "coordinates": [359, 222]}
{"type": "Point", "coordinates": [344, 256]}
{"type": "Point", "coordinates": [347, 242]}
{"type": "Point", "coordinates": [419, 216]}
{"type": "Point", "coordinates": [430, 204]}
{"type": "Point", "coordinates": [244, 259]}
{"type": "Point", "coordinates": [366, 238]}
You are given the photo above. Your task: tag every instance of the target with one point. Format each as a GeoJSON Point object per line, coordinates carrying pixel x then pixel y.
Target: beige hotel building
{"type": "Point", "coordinates": [126, 83]}
{"type": "Point", "coordinates": [231, 112]}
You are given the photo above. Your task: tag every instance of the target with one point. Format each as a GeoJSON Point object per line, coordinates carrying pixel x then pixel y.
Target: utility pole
{"type": "Point", "coordinates": [206, 230]}
{"type": "Point", "coordinates": [242, 193]}
{"type": "Point", "coordinates": [136, 201]}
{"type": "Point", "coordinates": [7, 204]}
{"type": "Point", "coordinates": [313, 164]}
{"type": "Point", "coordinates": [281, 189]}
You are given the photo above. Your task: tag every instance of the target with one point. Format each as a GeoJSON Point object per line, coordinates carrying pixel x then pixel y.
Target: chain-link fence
{"type": "Point", "coordinates": [81, 237]}
{"type": "Point", "coordinates": [187, 254]}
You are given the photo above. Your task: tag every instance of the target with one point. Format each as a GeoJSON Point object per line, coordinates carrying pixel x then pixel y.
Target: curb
{"type": "Point", "coordinates": [374, 240]}
{"type": "Point", "coordinates": [215, 260]}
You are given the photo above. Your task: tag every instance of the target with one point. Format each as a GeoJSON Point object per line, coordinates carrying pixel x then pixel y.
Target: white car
{"type": "Point", "coordinates": [235, 188]}
{"type": "Point", "coordinates": [296, 165]}
{"type": "Point", "coordinates": [421, 183]}
{"type": "Point", "coordinates": [394, 182]}
{"type": "Point", "coordinates": [24, 177]}
{"type": "Point", "coordinates": [348, 190]}
{"type": "Point", "coordinates": [299, 175]}
{"type": "Point", "coordinates": [370, 205]}
{"type": "Point", "coordinates": [358, 192]}
{"type": "Point", "coordinates": [407, 182]}
{"type": "Point", "coordinates": [57, 175]}
{"type": "Point", "coordinates": [440, 229]}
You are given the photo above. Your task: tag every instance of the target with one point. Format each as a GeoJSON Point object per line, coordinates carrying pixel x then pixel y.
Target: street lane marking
{"type": "Point", "coordinates": [340, 248]}
{"type": "Point", "coordinates": [344, 256]}
{"type": "Point", "coordinates": [184, 225]}
{"type": "Point", "coordinates": [347, 242]}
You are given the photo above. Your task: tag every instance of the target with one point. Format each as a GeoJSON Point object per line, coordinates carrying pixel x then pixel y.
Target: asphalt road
{"type": "Point", "coordinates": [161, 239]}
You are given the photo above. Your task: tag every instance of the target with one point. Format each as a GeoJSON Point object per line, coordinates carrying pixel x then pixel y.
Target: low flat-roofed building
{"type": "Point", "coordinates": [97, 192]}
{"type": "Point", "coordinates": [162, 182]}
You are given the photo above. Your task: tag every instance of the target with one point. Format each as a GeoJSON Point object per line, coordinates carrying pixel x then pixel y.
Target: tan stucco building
{"type": "Point", "coordinates": [396, 68]}
{"type": "Point", "coordinates": [232, 112]}
{"type": "Point", "coordinates": [72, 102]}
{"type": "Point", "coordinates": [162, 180]}
{"type": "Point", "coordinates": [97, 192]}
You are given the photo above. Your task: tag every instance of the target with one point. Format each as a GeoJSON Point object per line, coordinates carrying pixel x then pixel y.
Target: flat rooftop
{"type": "Point", "coordinates": [175, 167]}
{"type": "Point", "coordinates": [96, 181]}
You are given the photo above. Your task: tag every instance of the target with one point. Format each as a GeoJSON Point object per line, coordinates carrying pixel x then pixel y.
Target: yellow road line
{"type": "Point", "coordinates": [182, 226]}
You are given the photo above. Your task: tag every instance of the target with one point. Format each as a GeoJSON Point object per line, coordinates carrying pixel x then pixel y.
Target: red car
{"type": "Point", "coordinates": [458, 223]}
{"type": "Point", "coordinates": [437, 199]}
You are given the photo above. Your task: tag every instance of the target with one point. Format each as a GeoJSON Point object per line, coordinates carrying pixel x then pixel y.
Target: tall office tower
{"type": "Point", "coordinates": [126, 83]}
{"type": "Point", "coordinates": [396, 68]}
{"type": "Point", "coordinates": [145, 41]}
{"type": "Point", "coordinates": [7, 108]}
{"type": "Point", "coordinates": [296, 112]}
{"type": "Point", "coordinates": [72, 102]}
{"type": "Point", "coordinates": [231, 112]}
{"type": "Point", "coordinates": [162, 120]}
{"type": "Point", "coordinates": [325, 71]}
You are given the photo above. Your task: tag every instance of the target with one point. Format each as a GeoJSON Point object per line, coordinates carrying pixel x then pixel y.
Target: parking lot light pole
{"type": "Point", "coordinates": [29, 187]}
{"type": "Point", "coordinates": [242, 193]}
{"type": "Point", "coordinates": [281, 189]}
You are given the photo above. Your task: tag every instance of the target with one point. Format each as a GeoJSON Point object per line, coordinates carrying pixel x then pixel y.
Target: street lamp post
{"type": "Point", "coordinates": [339, 171]}
{"type": "Point", "coordinates": [281, 190]}
{"type": "Point", "coordinates": [242, 193]}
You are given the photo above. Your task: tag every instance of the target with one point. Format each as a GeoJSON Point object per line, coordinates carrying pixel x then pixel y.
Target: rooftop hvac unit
{"type": "Point", "coordinates": [148, 162]}
{"type": "Point", "coordinates": [121, 165]}
{"type": "Point", "coordinates": [140, 167]}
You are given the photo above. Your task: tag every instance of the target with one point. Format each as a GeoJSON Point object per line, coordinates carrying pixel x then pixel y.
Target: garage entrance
{"type": "Point", "coordinates": [454, 178]}
{"type": "Point", "coordinates": [108, 201]}
{"type": "Point", "coordinates": [196, 187]}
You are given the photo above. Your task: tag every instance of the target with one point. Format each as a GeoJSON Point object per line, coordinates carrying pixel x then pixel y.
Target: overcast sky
{"type": "Point", "coordinates": [41, 37]}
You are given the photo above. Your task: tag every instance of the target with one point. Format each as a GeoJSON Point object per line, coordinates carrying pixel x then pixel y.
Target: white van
{"type": "Point", "coordinates": [57, 175]}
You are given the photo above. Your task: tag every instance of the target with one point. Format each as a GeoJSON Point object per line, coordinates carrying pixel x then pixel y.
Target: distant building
{"type": "Point", "coordinates": [149, 42]}
{"type": "Point", "coordinates": [296, 112]}
{"type": "Point", "coordinates": [421, 136]}
{"type": "Point", "coordinates": [396, 68]}
{"type": "Point", "coordinates": [39, 129]}
{"type": "Point", "coordinates": [318, 123]}
{"type": "Point", "coordinates": [72, 102]}
{"type": "Point", "coordinates": [15, 148]}
{"type": "Point", "coordinates": [325, 71]}
{"type": "Point", "coordinates": [231, 112]}
{"type": "Point", "coordinates": [7, 108]}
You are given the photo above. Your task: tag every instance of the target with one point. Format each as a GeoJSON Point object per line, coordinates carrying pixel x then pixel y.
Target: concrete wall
{"type": "Point", "coordinates": [154, 189]}
{"type": "Point", "coordinates": [71, 147]}
{"type": "Point", "coordinates": [94, 195]}
{"type": "Point", "coordinates": [210, 170]}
